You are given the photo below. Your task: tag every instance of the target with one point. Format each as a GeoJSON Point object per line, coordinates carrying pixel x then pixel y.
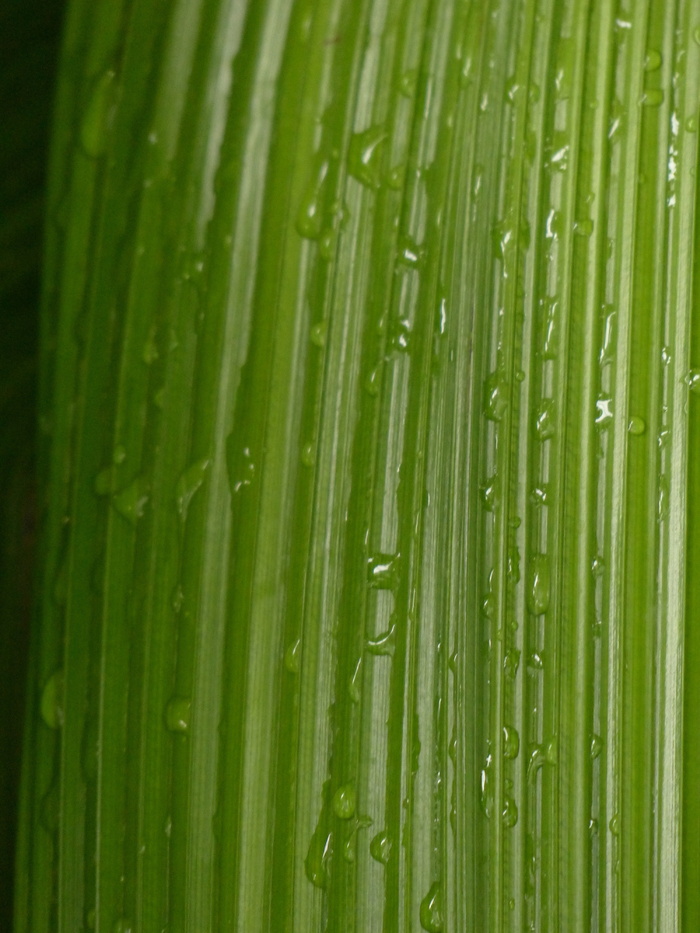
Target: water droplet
{"type": "Point", "coordinates": [318, 334]}
{"type": "Point", "coordinates": [535, 762]}
{"type": "Point", "coordinates": [692, 380]}
{"type": "Point", "coordinates": [596, 746]}
{"type": "Point", "coordinates": [551, 750]}
{"type": "Point", "coordinates": [510, 813]}
{"type": "Point", "coordinates": [535, 660]}
{"type": "Point", "coordinates": [511, 742]}
{"type": "Point", "coordinates": [652, 60]}
{"type": "Point", "coordinates": [597, 566]}
{"type": "Point", "coordinates": [513, 569]}
{"type": "Point", "coordinates": [241, 471]}
{"type": "Point", "coordinates": [452, 749]}
{"type": "Point", "coordinates": [653, 97]}
{"type": "Point", "coordinates": [188, 484]}
{"type": "Point", "coordinates": [372, 382]}
{"type": "Point", "coordinates": [539, 584]}
{"type": "Point", "coordinates": [384, 643]}
{"type": "Point", "coordinates": [607, 350]}
{"type": "Point", "coordinates": [544, 420]}
{"type": "Point", "coordinates": [364, 155]}
{"type": "Point", "coordinates": [344, 802]}
{"type": "Point", "coordinates": [350, 847]}
{"type": "Point", "coordinates": [409, 252]}
{"type": "Point", "coordinates": [486, 789]}
{"type": "Point", "coordinates": [177, 714]}
{"type": "Point", "coordinates": [593, 827]}
{"type": "Point", "coordinates": [355, 682]}
{"type": "Point", "coordinates": [490, 494]}
{"type": "Point", "coordinates": [488, 606]}
{"type": "Point", "coordinates": [292, 657]}
{"type": "Point", "coordinates": [52, 698]}
{"type": "Point", "coordinates": [636, 425]}
{"type": "Point", "coordinates": [97, 119]}
{"type": "Point", "coordinates": [326, 244]}
{"type": "Point", "coordinates": [604, 413]}
{"type": "Point", "coordinates": [614, 825]}
{"type": "Point", "coordinates": [583, 227]}
{"type": "Point", "coordinates": [408, 82]}
{"type": "Point", "coordinates": [513, 89]}
{"type": "Point", "coordinates": [132, 500]}
{"type": "Point", "coordinates": [540, 495]}
{"type": "Point", "coordinates": [122, 926]}
{"type": "Point", "coordinates": [383, 571]}
{"type": "Point", "coordinates": [308, 454]}
{"type": "Point", "coordinates": [553, 227]}
{"type": "Point", "coordinates": [431, 909]}
{"type": "Point", "coordinates": [118, 454]}
{"type": "Point", "coordinates": [551, 329]}
{"type": "Point", "coordinates": [557, 153]}
{"type": "Point", "coordinates": [380, 847]}
{"type": "Point", "coordinates": [691, 124]}
{"type": "Point", "coordinates": [318, 856]}
{"type": "Point", "coordinates": [511, 663]}
{"type": "Point", "coordinates": [495, 397]}
{"type": "Point", "coordinates": [662, 504]}
{"type": "Point", "coordinates": [503, 240]}
{"type": "Point", "coordinates": [309, 220]}
{"type": "Point", "coordinates": [400, 335]}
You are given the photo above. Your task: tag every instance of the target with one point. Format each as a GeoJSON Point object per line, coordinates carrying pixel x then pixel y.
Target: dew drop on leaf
{"type": "Point", "coordinates": [539, 584]}
{"type": "Point", "coordinates": [380, 847]}
{"type": "Point", "coordinates": [383, 571]}
{"type": "Point", "coordinates": [364, 155]}
{"type": "Point", "coordinates": [511, 742]}
{"type": "Point", "coordinates": [188, 484]}
{"type": "Point", "coordinates": [132, 500]}
{"type": "Point", "coordinates": [344, 802]}
{"type": "Point", "coordinates": [177, 714]}
{"type": "Point", "coordinates": [431, 909]}
{"type": "Point", "coordinates": [292, 657]}
{"type": "Point", "coordinates": [52, 695]}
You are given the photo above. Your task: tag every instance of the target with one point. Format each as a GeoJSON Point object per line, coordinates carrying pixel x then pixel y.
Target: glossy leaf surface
{"type": "Point", "coordinates": [370, 386]}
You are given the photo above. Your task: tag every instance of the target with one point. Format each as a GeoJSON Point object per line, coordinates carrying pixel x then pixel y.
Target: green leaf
{"type": "Point", "coordinates": [369, 372]}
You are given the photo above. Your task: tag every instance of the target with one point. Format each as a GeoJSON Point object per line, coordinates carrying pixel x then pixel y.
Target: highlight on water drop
{"type": "Point", "coordinates": [177, 714]}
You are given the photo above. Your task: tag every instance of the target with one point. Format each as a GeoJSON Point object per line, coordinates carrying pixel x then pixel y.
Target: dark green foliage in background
{"type": "Point", "coordinates": [29, 38]}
